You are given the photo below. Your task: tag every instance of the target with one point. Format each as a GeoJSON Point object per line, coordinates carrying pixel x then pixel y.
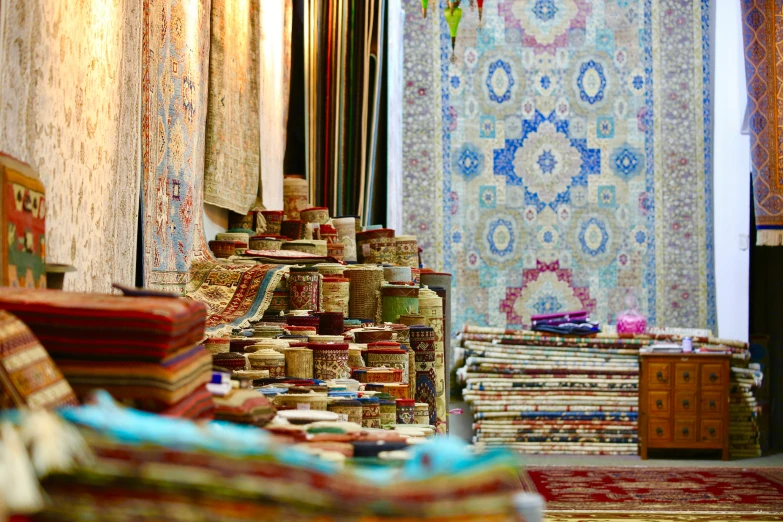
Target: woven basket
{"type": "Point", "coordinates": [299, 363]}
{"type": "Point", "coordinates": [365, 290]}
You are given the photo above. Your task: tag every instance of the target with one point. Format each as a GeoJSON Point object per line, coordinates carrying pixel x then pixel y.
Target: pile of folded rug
{"type": "Point", "coordinates": [548, 394]}
{"type": "Point", "coordinates": [122, 464]}
{"type": "Point", "coordinates": [744, 413]}
{"type": "Point", "coordinates": [145, 351]}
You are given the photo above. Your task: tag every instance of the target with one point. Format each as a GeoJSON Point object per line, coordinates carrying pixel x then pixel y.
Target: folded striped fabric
{"type": "Point", "coordinates": [197, 405]}
{"type": "Point", "coordinates": [244, 407]}
{"type": "Point", "coordinates": [144, 351]}
{"type": "Point", "coordinates": [98, 326]}
{"type": "Point", "coordinates": [167, 382]}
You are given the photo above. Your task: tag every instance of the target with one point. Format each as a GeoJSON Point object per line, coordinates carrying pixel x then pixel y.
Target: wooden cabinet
{"type": "Point", "coordinates": [684, 402]}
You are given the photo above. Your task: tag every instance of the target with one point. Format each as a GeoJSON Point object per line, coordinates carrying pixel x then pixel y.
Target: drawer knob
{"type": "Point", "coordinates": [713, 377]}
{"type": "Point", "coordinates": [685, 431]}
{"type": "Point", "coordinates": [659, 403]}
{"type": "Point", "coordinates": [659, 375]}
{"type": "Point", "coordinates": [712, 432]}
{"type": "Point", "coordinates": [659, 431]}
{"type": "Point", "coordinates": [712, 404]}
{"type": "Point", "coordinates": [686, 404]}
{"type": "Point", "coordinates": [686, 376]}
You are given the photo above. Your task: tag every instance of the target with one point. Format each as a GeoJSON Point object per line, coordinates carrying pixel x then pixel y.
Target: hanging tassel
{"type": "Point", "coordinates": [424, 4]}
{"type": "Point", "coordinates": [18, 483]}
{"type": "Point", "coordinates": [453, 15]}
{"type": "Point", "coordinates": [769, 237]}
{"type": "Point", "coordinates": [55, 445]}
{"type": "Point", "coordinates": [481, 10]}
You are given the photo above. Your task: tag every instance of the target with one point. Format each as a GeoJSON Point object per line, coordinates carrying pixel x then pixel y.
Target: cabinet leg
{"type": "Point", "coordinates": [643, 452]}
{"type": "Point", "coordinates": [725, 454]}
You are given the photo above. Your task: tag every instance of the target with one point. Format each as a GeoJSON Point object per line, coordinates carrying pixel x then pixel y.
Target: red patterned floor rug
{"type": "Point", "coordinates": [660, 494]}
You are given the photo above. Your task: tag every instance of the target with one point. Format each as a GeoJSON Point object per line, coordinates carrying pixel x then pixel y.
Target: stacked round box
{"type": "Point", "coordinates": [376, 246]}
{"type": "Point", "coordinates": [365, 289]}
{"type": "Point", "coordinates": [336, 292]}
{"type": "Point", "coordinates": [273, 218]}
{"type": "Point", "coordinates": [295, 192]}
{"type": "Point", "coordinates": [388, 354]}
{"type": "Point", "coordinates": [397, 300]}
{"type": "Point", "coordinates": [407, 251]}
{"type": "Point", "coordinates": [330, 360]}
{"type": "Point", "coordinates": [299, 363]}
{"type": "Point", "coordinates": [304, 287]}
{"type": "Point", "coordinates": [423, 345]}
{"type": "Point", "coordinates": [350, 409]}
{"type": "Point", "coordinates": [431, 307]}
{"type": "Point", "coordinates": [346, 234]}
{"type": "Point", "coordinates": [371, 412]}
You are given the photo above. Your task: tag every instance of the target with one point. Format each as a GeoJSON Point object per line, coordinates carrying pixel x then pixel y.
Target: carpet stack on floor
{"type": "Point", "coordinates": [744, 413]}
{"type": "Point", "coordinates": [145, 351]}
{"type": "Point", "coordinates": [545, 394]}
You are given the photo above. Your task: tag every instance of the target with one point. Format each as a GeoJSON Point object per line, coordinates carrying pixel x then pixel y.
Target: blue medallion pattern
{"type": "Point", "coordinates": [627, 162]}
{"type": "Point", "coordinates": [468, 160]}
{"type": "Point", "coordinates": [549, 149]}
{"type": "Point", "coordinates": [500, 78]}
{"type": "Point", "coordinates": [545, 10]}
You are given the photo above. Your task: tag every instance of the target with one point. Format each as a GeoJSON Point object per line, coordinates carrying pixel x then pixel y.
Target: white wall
{"type": "Point", "coordinates": [395, 104]}
{"type": "Point", "coordinates": [731, 174]}
{"type": "Point", "coordinates": [215, 221]}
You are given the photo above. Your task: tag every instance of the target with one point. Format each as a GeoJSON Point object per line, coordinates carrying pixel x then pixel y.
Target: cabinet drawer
{"type": "Point", "coordinates": [658, 376]}
{"type": "Point", "coordinates": [712, 375]}
{"type": "Point", "coordinates": [658, 402]}
{"type": "Point", "coordinates": [685, 429]}
{"type": "Point", "coordinates": [711, 403]}
{"type": "Point", "coordinates": [685, 402]}
{"type": "Point", "coordinates": [711, 430]}
{"type": "Point", "coordinates": [658, 429]}
{"type": "Point", "coordinates": [685, 375]}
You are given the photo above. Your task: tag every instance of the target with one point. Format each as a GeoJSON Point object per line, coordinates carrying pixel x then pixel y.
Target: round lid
{"type": "Point", "coordinates": [265, 354]}
{"type": "Point", "coordinates": [328, 346]}
{"type": "Point", "coordinates": [406, 402]}
{"type": "Point", "coordinates": [270, 238]}
{"type": "Point", "coordinates": [335, 279]}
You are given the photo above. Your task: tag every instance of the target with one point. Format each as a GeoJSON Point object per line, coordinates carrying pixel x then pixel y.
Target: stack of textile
{"type": "Point", "coordinates": [144, 350]}
{"type": "Point", "coordinates": [744, 413]}
{"type": "Point", "coordinates": [219, 472]}
{"type": "Point", "coordinates": [543, 394]}
{"type": "Point", "coordinates": [540, 393]}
